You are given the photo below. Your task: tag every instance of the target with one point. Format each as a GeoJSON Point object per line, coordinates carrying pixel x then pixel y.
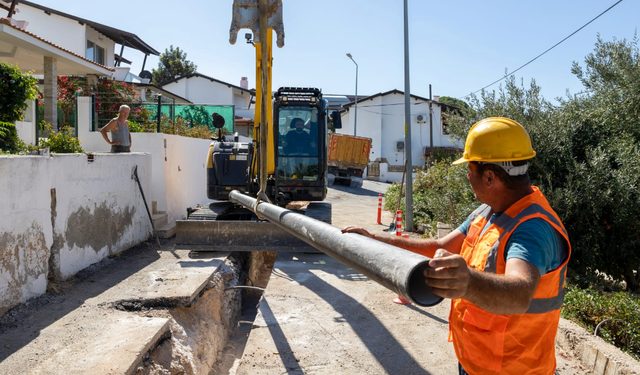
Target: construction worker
{"type": "Point", "coordinates": [504, 268]}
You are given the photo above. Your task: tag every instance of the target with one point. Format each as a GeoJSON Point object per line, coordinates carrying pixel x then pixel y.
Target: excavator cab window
{"type": "Point", "coordinates": [298, 139]}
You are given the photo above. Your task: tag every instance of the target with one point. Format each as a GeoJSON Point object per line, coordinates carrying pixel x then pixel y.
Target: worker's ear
{"type": "Point", "coordinates": [489, 177]}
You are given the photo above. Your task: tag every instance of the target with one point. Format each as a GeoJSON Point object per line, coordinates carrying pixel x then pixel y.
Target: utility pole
{"type": "Point", "coordinates": [408, 215]}
{"type": "Point", "coordinates": [355, 120]}
{"type": "Point", "coordinates": [431, 129]}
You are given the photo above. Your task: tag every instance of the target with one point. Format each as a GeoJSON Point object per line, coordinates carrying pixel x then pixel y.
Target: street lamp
{"type": "Point", "coordinates": [355, 120]}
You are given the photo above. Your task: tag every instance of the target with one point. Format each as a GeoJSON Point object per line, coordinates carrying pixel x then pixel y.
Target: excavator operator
{"type": "Point", "coordinates": [297, 140]}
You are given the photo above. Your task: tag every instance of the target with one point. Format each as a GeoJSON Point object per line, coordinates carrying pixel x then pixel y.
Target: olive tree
{"type": "Point", "coordinates": [601, 131]}
{"type": "Point", "coordinates": [588, 155]}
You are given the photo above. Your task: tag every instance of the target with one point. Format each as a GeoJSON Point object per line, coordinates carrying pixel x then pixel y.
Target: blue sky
{"type": "Point", "coordinates": [456, 47]}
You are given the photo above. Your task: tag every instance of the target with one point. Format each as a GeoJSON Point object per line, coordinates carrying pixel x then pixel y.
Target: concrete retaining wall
{"type": "Point", "coordinates": [63, 213]}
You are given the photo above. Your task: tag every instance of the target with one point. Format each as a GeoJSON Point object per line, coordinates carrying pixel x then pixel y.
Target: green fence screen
{"type": "Point", "coordinates": [195, 114]}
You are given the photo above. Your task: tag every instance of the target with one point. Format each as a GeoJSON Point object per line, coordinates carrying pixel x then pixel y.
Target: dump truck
{"type": "Point", "coordinates": [348, 158]}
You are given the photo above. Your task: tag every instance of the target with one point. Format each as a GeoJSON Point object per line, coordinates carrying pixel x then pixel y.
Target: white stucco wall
{"type": "Point", "coordinates": [393, 130]}
{"type": "Point", "coordinates": [200, 90]}
{"type": "Point", "coordinates": [99, 208]}
{"type": "Point", "coordinates": [242, 104]}
{"type": "Point", "coordinates": [26, 233]}
{"type": "Point", "coordinates": [27, 127]}
{"type": "Point", "coordinates": [185, 174]}
{"type": "Point", "coordinates": [102, 41]}
{"type": "Point", "coordinates": [62, 31]}
{"type": "Point", "coordinates": [63, 213]}
{"type": "Point", "coordinates": [178, 173]}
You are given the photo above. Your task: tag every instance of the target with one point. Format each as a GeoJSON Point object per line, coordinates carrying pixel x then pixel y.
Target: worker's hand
{"type": "Point", "coordinates": [448, 275]}
{"type": "Point", "coordinates": [358, 230]}
{"type": "Point", "coordinates": [115, 143]}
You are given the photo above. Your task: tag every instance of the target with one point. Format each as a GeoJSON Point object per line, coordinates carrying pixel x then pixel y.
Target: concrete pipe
{"type": "Point", "coordinates": [396, 269]}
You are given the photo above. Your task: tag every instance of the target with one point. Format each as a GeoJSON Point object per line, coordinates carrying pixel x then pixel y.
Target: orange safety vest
{"type": "Point", "coordinates": [487, 343]}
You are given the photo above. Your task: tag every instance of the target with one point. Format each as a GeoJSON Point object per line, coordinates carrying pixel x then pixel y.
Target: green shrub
{"type": "Point", "coordinates": [590, 307]}
{"type": "Point", "coordinates": [16, 88]}
{"type": "Point", "coordinates": [587, 155]}
{"type": "Point", "coordinates": [440, 194]}
{"type": "Point", "coordinates": [61, 142]}
{"type": "Point", "coordinates": [137, 127]}
{"type": "Point", "coordinates": [182, 127]}
{"type": "Point", "coordinates": [588, 167]}
{"type": "Point", "coordinates": [8, 137]}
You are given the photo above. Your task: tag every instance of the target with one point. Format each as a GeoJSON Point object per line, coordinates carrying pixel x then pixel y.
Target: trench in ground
{"type": "Point", "coordinates": [209, 336]}
{"type": "Point", "coordinates": [231, 355]}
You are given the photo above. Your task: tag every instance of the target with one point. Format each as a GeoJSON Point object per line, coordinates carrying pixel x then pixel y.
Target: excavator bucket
{"type": "Point", "coordinates": [245, 16]}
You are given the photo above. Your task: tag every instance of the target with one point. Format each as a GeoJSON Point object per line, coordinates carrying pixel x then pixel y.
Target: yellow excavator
{"type": "Point", "coordinates": [273, 168]}
{"type": "Point", "coordinates": [288, 159]}
{"type": "Point", "coordinates": [286, 162]}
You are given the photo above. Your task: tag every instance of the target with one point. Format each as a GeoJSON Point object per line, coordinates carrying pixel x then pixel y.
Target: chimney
{"type": "Point", "coordinates": [436, 98]}
{"type": "Point", "coordinates": [244, 83]}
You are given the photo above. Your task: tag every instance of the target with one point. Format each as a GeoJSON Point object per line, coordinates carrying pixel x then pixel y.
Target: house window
{"type": "Point", "coordinates": [95, 53]}
{"type": "Point", "coordinates": [443, 121]}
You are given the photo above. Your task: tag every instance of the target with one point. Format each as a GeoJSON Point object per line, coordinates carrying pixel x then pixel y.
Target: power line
{"type": "Point", "coordinates": [554, 46]}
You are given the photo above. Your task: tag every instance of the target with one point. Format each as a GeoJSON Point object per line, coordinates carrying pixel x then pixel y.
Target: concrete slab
{"type": "Point", "coordinates": [98, 343]}
{"type": "Point", "coordinates": [321, 317]}
{"type": "Point", "coordinates": [87, 329]}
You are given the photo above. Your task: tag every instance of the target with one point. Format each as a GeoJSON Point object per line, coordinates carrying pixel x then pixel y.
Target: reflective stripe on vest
{"type": "Point", "coordinates": [487, 343]}
{"type": "Point", "coordinates": [507, 224]}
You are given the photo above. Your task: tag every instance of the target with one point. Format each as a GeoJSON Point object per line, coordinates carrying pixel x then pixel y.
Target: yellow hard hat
{"type": "Point", "coordinates": [497, 139]}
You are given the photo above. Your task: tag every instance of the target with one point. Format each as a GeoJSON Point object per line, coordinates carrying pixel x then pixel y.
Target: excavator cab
{"type": "Point", "coordinates": [300, 115]}
{"type": "Point", "coordinates": [300, 135]}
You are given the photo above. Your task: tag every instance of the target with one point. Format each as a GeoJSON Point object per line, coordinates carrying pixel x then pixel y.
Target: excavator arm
{"type": "Point", "coordinates": [261, 16]}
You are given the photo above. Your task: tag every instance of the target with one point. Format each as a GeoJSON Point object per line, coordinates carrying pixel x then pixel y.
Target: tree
{"type": "Point", "coordinates": [587, 156]}
{"type": "Point", "coordinates": [460, 104]}
{"type": "Point", "coordinates": [16, 88]}
{"type": "Point", "coordinates": [603, 138]}
{"type": "Point", "coordinates": [173, 62]}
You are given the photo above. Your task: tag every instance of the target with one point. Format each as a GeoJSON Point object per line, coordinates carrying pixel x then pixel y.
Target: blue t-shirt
{"type": "Point", "coordinates": [534, 241]}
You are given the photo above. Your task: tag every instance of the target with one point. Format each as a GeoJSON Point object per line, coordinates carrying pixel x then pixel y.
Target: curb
{"type": "Point", "coordinates": [595, 354]}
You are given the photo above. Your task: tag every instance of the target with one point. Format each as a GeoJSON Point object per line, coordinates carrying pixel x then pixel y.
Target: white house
{"type": "Point", "coordinates": [201, 89]}
{"type": "Point", "coordinates": [381, 118]}
{"type": "Point", "coordinates": [100, 43]}
{"type": "Point", "coordinates": [73, 46]}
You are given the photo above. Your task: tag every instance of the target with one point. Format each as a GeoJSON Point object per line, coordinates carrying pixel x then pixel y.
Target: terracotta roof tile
{"type": "Point", "coordinates": [7, 22]}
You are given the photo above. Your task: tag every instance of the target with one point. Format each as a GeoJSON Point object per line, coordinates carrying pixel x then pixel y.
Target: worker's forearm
{"type": "Point", "coordinates": [426, 247]}
{"type": "Point", "coordinates": [498, 294]}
